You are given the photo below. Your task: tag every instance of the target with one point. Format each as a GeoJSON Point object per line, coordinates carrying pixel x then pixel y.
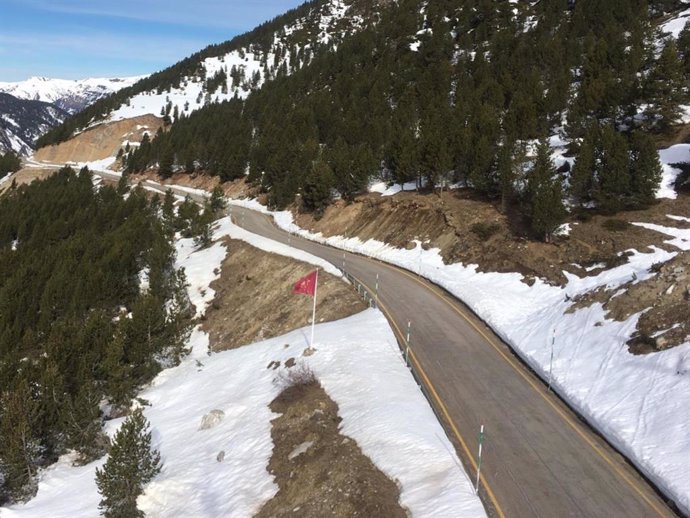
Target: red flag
{"type": "Point", "coordinates": [307, 284]}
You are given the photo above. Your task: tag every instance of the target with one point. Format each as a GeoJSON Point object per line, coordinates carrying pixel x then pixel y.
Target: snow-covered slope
{"type": "Point", "coordinates": [382, 409]}
{"type": "Point", "coordinates": [22, 122]}
{"type": "Point", "coordinates": [244, 69]}
{"type": "Point", "coordinates": [69, 95]}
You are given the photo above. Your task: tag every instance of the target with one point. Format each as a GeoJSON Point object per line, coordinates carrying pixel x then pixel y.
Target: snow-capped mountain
{"type": "Point", "coordinates": [71, 96]}
{"type": "Point", "coordinates": [22, 122]}
{"type": "Point", "coordinates": [29, 109]}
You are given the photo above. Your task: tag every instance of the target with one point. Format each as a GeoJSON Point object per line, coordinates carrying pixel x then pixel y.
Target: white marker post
{"type": "Point", "coordinates": [313, 311]}
{"type": "Point", "coordinates": [479, 459]}
{"type": "Point", "coordinates": [553, 342]}
{"type": "Point", "coordinates": [377, 290]}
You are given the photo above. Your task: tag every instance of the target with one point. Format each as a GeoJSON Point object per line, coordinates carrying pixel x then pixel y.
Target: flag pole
{"type": "Point", "coordinates": [313, 312]}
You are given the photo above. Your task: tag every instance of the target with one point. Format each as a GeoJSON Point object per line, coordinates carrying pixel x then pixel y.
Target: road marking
{"type": "Point", "coordinates": [442, 295]}
{"type": "Point", "coordinates": [439, 402]}
{"type": "Point", "coordinates": [517, 367]}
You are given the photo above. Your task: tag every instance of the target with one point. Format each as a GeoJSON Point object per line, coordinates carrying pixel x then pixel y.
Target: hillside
{"type": "Point", "coordinates": [22, 122]}
{"type": "Point", "coordinates": [547, 145]}
{"type": "Point", "coordinates": [231, 69]}
{"type": "Point", "coordinates": [223, 448]}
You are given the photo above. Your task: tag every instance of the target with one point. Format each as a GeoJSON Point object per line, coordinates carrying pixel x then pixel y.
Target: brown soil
{"type": "Point", "coordinates": [254, 299]}
{"type": "Point", "coordinates": [450, 221]}
{"type": "Point", "coordinates": [28, 175]}
{"type": "Point", "coordinates": [100, 142]}
{"type": "Point", "coordinates": [331, 477]}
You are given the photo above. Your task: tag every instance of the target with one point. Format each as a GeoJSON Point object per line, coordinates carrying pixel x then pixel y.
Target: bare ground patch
{"type": "Point", "coordinates": [321, 472]}
{"type": "Point", "coordinates": [254, 298]}
{"type": "Point", "coordinates": [100, 142]}
{"type": "Point", "coordinates": [474, 231]}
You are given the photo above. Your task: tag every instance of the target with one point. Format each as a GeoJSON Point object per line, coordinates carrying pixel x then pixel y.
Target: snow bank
{"type": "Point", "coordinates": [638, 402]}
{"type": "Point", "coordinates": [680, 153]}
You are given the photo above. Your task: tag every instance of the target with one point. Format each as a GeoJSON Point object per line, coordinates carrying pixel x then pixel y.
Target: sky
{"type": "Point", "coordinates": [75, 39]}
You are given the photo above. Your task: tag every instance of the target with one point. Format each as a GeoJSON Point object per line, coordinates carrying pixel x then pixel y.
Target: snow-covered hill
{"type": "Point", "coordinates": [23, 121]}
{"type": "Point", "coordinates": [236, 67]}
{"type": "Point", "coordinates": [69, 95]}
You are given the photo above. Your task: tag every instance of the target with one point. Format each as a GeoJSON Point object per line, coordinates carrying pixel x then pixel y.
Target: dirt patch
{"type": "Point", "coordinates": [474, 231]}
{"type": "Point", "coordinates": [100, 142]}
{"type": "Point", "coordinates": [254, 299]}
{"type": "Point", "coordinates": [319, 471]}
{"type": "Point", "coordinates": [28, 175]}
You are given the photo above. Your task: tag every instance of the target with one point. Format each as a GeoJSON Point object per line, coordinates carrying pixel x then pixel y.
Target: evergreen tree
{"type": "Point", "coordinates": [546, 209]}
{"type": "Point", "coordinates": [19, 449]}
{"type": "Point", "coordinates": [667, 88]}
{"type": "Point", "coordinates": [130, 466]}
{"type": "Point", "coordinates": [645, 169]}
{"type": "Point", "coordinates": [316, 193]}
{"type": "Point", "coordinates": [612, 178]}
{"type": "Point", "coordinates": [217, 202]}
{"type": "Point", "coordinates": [582, 176]}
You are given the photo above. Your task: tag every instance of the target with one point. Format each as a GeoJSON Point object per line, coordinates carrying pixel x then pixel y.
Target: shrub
{"type": "Point", "coordinates": [615, 225]}
{"type": "Point", "coordinates": [485, 230]}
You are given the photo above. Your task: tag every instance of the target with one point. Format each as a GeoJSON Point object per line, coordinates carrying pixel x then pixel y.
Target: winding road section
{"type": "Point", "coordinates": [540, 459]}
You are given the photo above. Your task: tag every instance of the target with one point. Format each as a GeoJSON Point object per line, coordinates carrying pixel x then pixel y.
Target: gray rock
{"type": "Point", "coordinates": [212, 419]}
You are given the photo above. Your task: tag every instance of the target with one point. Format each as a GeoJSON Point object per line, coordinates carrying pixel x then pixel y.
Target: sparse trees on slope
{"type": "Point", "coordinates": [131, 465]}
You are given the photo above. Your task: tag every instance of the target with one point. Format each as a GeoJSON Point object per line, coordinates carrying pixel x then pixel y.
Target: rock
{"type": "Point", "coordinates": [221, 456]}
{"type": "Point", "coordinates": [212, 419]}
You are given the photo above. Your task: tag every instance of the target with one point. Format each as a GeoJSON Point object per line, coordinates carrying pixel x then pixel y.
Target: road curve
{"type": "Point", "coordinates": [540, 459]}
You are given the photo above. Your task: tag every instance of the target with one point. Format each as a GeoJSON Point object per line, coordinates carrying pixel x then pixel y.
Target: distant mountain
{"type": "Point", "coordinates": [71, 96]}
{"type": "Point", "coordinates": [22, 122]}
{"type": "Point", "coordinates": [28, 109]}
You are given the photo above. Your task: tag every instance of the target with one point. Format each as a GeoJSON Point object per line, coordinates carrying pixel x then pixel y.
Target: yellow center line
{"type": "Point", "coordinates": [517, 367]}
{"type": "Point", "coordinates": [632, 483]}
{"type": "Point", "coordinates": [440, 405]}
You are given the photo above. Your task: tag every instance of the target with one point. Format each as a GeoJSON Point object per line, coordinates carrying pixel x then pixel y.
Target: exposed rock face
{"type": "Point", "coordinates": [211, 420]}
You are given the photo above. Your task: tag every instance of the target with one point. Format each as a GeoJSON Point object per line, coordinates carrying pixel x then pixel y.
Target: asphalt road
{"type": "Point", "coordinates": [540, 459]}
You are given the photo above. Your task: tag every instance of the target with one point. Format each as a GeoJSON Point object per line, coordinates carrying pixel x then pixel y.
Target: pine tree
{"type": "Point", "coordinates": [316, 193]}
{"type": "Point", "coordinates": [667, 88]}
{"type": "Point", "coordinates": [120, 386]}
{"type": "Point", "coordinates": [645, 169]}
{"type": "Point", "coordinates": [19, 449]}
{"type": "Point", "coordinates": [130, 466]}
{"type": "Point", "coordinates": [612, 179]}
{"type": "Point", "coordinates": [217, 202]}
{"type": "Point", "coordinates": [545, 195]}
{"type": "Point", "coordinates": [582, 176]}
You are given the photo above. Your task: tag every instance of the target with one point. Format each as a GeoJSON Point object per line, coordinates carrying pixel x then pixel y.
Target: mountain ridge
{"type": "Point", "coordinates": [23, 121]}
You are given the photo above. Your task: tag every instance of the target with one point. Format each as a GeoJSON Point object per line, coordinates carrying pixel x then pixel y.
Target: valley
{"type": "Point", "coordinates": [495, 198]}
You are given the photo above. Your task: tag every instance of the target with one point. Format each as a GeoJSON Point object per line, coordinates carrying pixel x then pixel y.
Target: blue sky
{"type": "Point", "coordinates": [73, 39]}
